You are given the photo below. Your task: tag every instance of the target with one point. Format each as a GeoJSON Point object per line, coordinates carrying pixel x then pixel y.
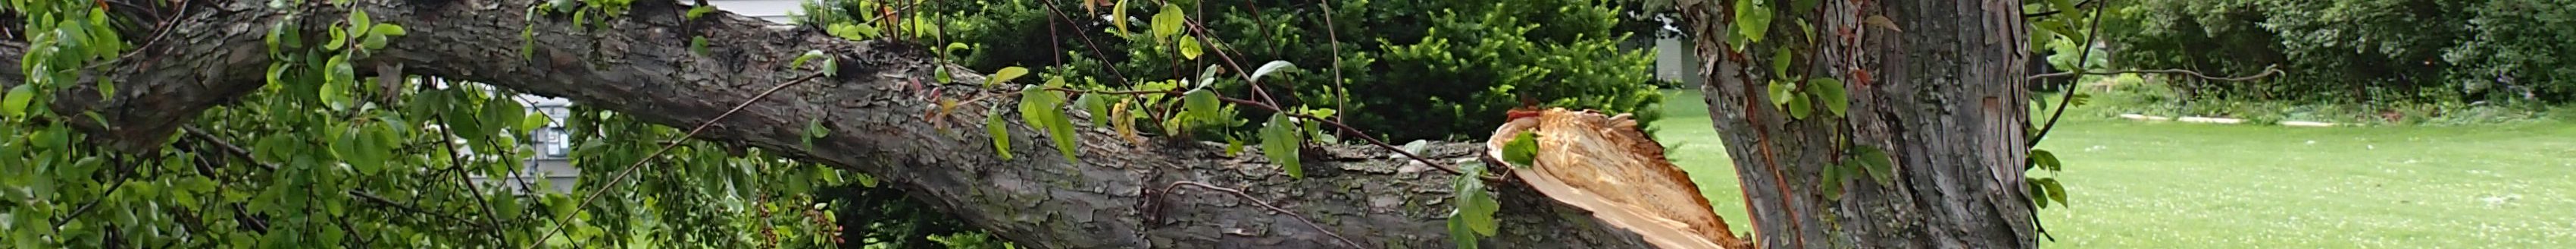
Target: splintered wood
{"type": "Point", "coordinates": [1604, 164]}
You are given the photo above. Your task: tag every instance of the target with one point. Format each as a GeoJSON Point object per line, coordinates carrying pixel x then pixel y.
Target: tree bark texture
{"type": "Point", "coordinates": [639, 63]}
{"type": "Point", "coordinates": [1938, 90]}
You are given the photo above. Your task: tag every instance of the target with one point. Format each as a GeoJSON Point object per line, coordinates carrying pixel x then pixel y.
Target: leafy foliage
{"type": "Point", "coordinates": [324, 156]}
{"type": "Point", "coordinates": [1474, 216]}
{"type": "Point", "coordinates": [1489, 53]}
{"type": "Point", "coordinates": [2358, 51]}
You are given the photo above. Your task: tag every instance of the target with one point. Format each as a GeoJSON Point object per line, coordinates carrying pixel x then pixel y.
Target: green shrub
{"type": "Point", "coordinates": [2371, 52]}
{"type": "Point", "coordinates": [1408, 70]}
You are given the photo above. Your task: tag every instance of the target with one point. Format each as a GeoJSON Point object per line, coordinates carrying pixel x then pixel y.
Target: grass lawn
{"type": "Point", "coordinates": [2178, 185]}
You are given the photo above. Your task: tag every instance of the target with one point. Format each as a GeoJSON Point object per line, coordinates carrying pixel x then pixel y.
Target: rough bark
{"type": "Point", "coordinates": [640, 64]}
{"type": "Point", "coordinates": [1941, 97]}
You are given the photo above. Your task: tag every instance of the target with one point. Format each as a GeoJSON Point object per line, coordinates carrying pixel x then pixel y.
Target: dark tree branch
{"type": "Point", "coordinates": [640, 64]}
{"type": "Point", "coordinates": [2267, 72]}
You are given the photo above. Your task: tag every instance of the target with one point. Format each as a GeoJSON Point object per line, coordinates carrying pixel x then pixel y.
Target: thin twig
{"type": "Point", "coordinates": [639, 163]}
{"type": "Point", "coordinates": [453, 161]}
{"type": "Point", "coordinates": [1363, 136]}
{"type": "Point", "coordinates": [245, 155]}
{"type": "Point", "coordinates": [1086, 40]}
{"type": "Point", "coordinates": [1167, 190]}
{"type": "Point", "coordinates": [1341, 94]}
{"type": "Point", "coordinates": [2267, 72]}
{"type": "Point", "coordinates": [111, 191]}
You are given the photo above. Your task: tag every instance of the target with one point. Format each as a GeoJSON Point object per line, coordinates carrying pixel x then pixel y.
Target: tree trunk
{"type": "Point", "coordinates": [640, 64]}
{"type": "Point", "coordinates": [1939, 90]}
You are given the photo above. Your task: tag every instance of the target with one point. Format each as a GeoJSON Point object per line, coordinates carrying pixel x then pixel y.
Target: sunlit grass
{"type": "Point", "coordinates": [2177, 185]}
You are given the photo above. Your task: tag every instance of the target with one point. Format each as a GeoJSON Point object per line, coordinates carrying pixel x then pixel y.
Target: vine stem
{"type": "Point", "coordinates": [639, 163]}
{"type": "Point", "coordinates": [2092, 32]}
{"type": "Point", "coordinates": [1167, 189]}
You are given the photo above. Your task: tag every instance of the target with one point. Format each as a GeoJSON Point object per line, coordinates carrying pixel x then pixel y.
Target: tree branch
{"type": "Point", "coordinates": [640, 64]}
{"type": "Point", "coordinates": [2267, 72]}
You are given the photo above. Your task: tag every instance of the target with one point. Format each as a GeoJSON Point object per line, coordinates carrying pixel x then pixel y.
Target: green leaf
{"type": "Point", "coordinates": [1201, 105]}
{"type": "Point", "coordinates": [698, 44]}
{"type": "Point", "coordinates": [1279, 141]}
{"type": "Point", "coordinates": [1233, 146]}
{"type": "Point", "coordinates": [1875, 161]}
{"type": "Point", "coordinates": [1458, 232]}
{"type": "Point", "coordinates": [1780, 93]}
{"type": "Point", "coordinates": [535, 120]}
{"type": "Point", "coordinates": [695, 12]}
{"type": "Point", "coordinates": [358, 19]}
{"type": "Point", "coordinates": [2063, 6]}
{"type": "Point", "coordinates": [2037, 190]}
{"type": "Point", "coordinates": [1118, 17]}
{"type": "Point", "coordinates": [942, 75]}
{"type": "Point", "coordinates": [1473, 216]}
{"type": "Point", "coordinates": [2045, 160]}
{"type": "Point", "coordinates": [338, 39]}
{"type": "Point", "coordinates": [1094, 104]}
{"type": "Point", "coordinates": [809, 55]}
{"type": "Point", "coordinates": [275, 33]}
{"type": "Point", "coordinates": [1041, 108]}
{"type": "Point", "coordinates": [1267, 68]}
{"type": "Point", "coordinates": [1207, 77]}
{"type": "Point", "coordinates": [1797, 108]}
{"type": "Point", "coordinates": [1005, 75]}
{"type": "Point", "coordinates": [1189, 48]}
{"type": "Point", "coordinates": [16, 103]}
{"type": "Point", "coordinates": [1780, 63]}
{"type": "Point", "coordinates": [814, 128]}
{"type": "Point", "coordinates": [372, 42]}
{"type": "Point", "coordinates": [1168, 22]}
{"type": "Point", "coordinates": [1830, 91]}
{"type": "Point", "coordinates": [499, 114]}
{"type": "Point", "coordinates": [2056, 191]}
{"type": "Point", "coordinates": [995, 127]}
{"type": "Point", "coordinates": [1751, 20]}
{"type": "Point", "coordinates": [1522, 151]}
{"type": "Point", "coordinates": [388, 29]}
{"type": "Point", "coordinates": [831, 66]}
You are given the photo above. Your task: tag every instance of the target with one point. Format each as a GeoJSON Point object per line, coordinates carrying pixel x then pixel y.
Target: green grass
{"type": "Point", "coordinates": [2177, 185]}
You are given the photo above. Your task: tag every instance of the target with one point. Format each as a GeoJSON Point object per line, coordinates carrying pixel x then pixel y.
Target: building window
{"type": "Point", "coordinates": [554, 142]}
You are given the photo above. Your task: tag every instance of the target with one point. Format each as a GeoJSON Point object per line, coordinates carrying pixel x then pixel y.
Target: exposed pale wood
{"type": "Point", "coordinates": [1606, 165]}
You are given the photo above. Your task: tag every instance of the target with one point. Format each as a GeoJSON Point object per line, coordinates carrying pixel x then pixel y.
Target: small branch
{"type": "Point", "coordinates": [244, 154]}
{"type": "Point", "coordinates": [693, 132]}
{"type": "Point", "coordinates": [1257, 201]}
{"type": "Point", "coordinates": [453, 161]}
{"type": "Point", "coordinates": [84, 208]}
{"type": "Point", "coordinates": [1363, 136]}
{"type": "Point", "coordinates": [2267, 72]}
